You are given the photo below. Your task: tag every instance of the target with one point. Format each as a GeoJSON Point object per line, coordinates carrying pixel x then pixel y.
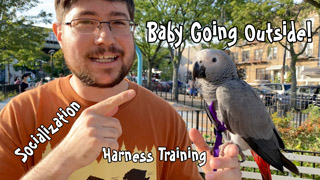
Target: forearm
{"type": "Point", "coordinates": [54, 166]}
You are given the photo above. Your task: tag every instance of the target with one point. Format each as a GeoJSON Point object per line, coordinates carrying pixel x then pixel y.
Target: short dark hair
{"type": "Point", "coordinates": [25, 75]}
{"type": "Point", "coordinates": [63, 6]}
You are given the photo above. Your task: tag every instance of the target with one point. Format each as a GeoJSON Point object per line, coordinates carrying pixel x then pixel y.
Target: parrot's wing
{"type": "Point", "coordinates": [206, 107]}
{"type": "Point", "coordinates": [245, 115]}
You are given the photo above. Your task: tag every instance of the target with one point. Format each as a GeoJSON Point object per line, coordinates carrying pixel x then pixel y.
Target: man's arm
{"type": "Point", "coordinates": [54, 166]}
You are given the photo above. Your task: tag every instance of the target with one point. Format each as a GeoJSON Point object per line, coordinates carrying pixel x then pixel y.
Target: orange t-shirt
{"type": "Point", "coordinates": [30, 128]}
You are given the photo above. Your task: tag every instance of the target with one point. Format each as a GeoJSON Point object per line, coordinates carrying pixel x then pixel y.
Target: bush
{"type": "Point", "coordinates": [304, 137]}
{"type": "Point", "coordinates": [10, 94]}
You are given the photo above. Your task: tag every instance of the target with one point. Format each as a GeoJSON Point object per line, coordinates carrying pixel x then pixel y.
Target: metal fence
{"type": "Point", "coordinates": [5, 90]}
{"type": "Point", "coordinates": [279, 104]}
{"type": "Point", "coordinates": [196, 117]}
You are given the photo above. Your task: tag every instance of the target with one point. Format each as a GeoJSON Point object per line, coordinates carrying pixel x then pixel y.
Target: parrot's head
{"type": "Point", "coordinates": [213, 66]}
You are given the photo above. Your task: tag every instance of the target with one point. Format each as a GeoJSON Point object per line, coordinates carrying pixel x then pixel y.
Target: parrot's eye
{"type": "Point", "coordinates": [214, 59]}
{"type": "Point", "coordinates": [200, 62]}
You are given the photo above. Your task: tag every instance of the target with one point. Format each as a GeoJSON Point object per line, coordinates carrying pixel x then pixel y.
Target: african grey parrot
{"type": "Point", "coordinates": [240, 110]}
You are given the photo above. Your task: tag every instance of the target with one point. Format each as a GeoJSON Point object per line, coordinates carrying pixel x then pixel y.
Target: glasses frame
{"type": "Point", "coordinates": [132, 24]}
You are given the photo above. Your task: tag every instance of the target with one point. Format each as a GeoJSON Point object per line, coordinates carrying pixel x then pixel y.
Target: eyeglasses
{"type": "Point", "coordinates": [90, 26]}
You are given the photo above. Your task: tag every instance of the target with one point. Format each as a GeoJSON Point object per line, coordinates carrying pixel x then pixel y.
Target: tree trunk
{"type": "Point", "coordinates": [283, 65]}
{"type": "Point", "coordinates": [8, 72]}
{"type": "Point", "coordinates": [293, 96]}
{"type": "Point", "coordinates": [175, 81]}
{"type": "Point", "coordinates": [149, 75]}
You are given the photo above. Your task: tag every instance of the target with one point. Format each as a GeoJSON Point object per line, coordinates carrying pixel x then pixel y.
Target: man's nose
{"type": "Point", "coordinates": [104, 35]}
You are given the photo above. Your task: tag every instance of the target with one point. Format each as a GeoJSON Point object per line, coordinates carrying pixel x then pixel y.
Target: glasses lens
{"type": "Point", "coordinates": [89, 26]}
{"type": "Point", "coordinates": [121, 26]}
{"type": "Point", "coordinates": [84, 25]}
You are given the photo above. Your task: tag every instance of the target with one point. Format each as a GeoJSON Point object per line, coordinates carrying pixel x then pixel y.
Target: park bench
{"type": "Point", "coordinates": [302, 159]}
{"type": "Point", "coordinates": [313, 171]}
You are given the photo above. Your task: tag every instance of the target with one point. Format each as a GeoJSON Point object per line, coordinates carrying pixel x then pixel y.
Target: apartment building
{"type": "Point", "coordinates": [263, 62]}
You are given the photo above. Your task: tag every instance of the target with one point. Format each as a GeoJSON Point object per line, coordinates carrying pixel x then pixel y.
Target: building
{"type": "Point", "coordinates": [263, 62]}
{"type": "Point", "coordinates": [51, 43]}
{"type": "Point", "coordinates": [186, 62]}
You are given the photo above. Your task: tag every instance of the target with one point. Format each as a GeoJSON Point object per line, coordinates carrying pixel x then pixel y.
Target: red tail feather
{"type": "Point", "coordinates": [264, 167]}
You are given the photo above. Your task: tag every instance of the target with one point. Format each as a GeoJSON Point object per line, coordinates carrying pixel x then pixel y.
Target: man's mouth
{"type": "Point", "coordinates": [104, 59]}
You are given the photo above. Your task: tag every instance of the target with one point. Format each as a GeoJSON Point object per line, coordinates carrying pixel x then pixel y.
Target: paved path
{"type": "Point", "coordinates": [3, 103]}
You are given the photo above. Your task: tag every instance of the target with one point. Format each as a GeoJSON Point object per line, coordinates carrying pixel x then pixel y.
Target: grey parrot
{"type": "Point", "coordinates": [240, 110]}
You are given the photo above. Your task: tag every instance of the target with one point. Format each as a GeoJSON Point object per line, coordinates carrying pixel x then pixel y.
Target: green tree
{"type": "Point", "coordinates": [60, 66]}
{"type": "Point", "coordinates": [180, 13]}
{"type": "Point", "coordinates": [166, 70]}
{"type": "Point", "coordinates": [19, 38]}
{"type": "Point", "coordinates": [134, 68]}
{"type": "Point", "coordinates": [151, 52]}
{"type": "Point", "coordinates": [315, 3]}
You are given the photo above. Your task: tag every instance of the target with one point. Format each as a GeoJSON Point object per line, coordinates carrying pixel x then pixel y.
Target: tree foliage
{"type": "Point", "coordinates": [150, 52]}
{"type": "Point", "coordinates": [60, 67]}
{"type": "Point", "coordinates": [19, 38]}
{"type": "Point", "coordinates": [180, 12]}
{"type": "Point", "coordinates": [315, 3]}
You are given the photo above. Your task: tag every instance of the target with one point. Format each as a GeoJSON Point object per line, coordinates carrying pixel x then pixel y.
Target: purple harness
{"type": "Point", "coordinates": [217, 131]}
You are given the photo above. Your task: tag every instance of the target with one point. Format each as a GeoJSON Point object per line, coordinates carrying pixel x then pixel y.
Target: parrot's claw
{"type": "Point", "coordinates": [243, 157]}
{"type": "Point", "coordinates": [223, 146]}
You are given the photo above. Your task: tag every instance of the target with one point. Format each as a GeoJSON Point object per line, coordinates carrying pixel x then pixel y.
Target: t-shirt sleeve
{"type": "Point", "coordinates": [11, 166]}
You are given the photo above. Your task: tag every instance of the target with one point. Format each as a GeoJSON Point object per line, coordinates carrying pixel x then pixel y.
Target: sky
{"type": "Point", "coordinates": [46, 5]}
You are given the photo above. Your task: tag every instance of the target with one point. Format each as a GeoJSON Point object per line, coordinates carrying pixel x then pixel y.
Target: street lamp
{"type": "Point", "coordinates": [51, 52]}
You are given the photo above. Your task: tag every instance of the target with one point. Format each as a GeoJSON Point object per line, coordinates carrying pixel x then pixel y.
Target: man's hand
{"type": "Point", "coordinates": [227, 167]}
{"type": "Point", "coordinates": [95, 128]}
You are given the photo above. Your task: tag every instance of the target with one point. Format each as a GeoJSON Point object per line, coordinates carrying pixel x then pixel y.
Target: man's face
{"type": "Point", "coordinates": [103, 58]}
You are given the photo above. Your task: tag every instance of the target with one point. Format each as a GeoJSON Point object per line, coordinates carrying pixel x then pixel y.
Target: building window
{"type": "Point", "coordinates": [234, 57]}
{"type": "Point", "coordinates": [245, 56]}
{"type": "Point", "coordinates": [258, 54]}
{"type": "Point", "coordinates": [299, 70]}
{"type": "Point", "coordinates": [261, 74]}
{"type": "Point", "coordinates": [272, 53]}
{"type": "Point", "coordinates": [304, 23]}
{"type": "Point", "coordinates": [308, 52]}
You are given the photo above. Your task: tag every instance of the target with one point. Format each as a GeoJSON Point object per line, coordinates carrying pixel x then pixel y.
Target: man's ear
{"type": "Point", "coordinates": [57, 29]}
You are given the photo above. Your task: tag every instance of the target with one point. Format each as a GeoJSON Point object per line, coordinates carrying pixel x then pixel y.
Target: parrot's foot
{"type": "Point", "coordinates": [223, 146]}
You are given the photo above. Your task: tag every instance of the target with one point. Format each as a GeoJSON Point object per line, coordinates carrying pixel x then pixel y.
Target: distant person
{"type": "Point", "coordinates": [192, 91]}
{"type": "Point", "coordinates": [24, 85]}
{"type": "Point", "coordinates": [17, 80]}
{"type": "Point", "coordinates": [39, 83]}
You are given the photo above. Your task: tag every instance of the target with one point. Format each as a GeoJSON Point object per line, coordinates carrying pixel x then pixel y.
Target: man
{"type": "Point", "coordinates": [67, 128]}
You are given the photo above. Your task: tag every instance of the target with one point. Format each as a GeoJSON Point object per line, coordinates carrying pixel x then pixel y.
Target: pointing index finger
{"type": "Point", "coordinates": [111, 103]}
{"type": "Point", "coordinates": [198, 140]}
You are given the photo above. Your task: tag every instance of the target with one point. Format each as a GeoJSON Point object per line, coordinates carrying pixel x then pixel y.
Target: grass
{"type": "Point", "coordinates": [10, 94]}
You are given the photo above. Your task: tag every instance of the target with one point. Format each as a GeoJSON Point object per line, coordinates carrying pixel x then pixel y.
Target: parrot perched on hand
{"type": "Point", "coordinates": [242, 115]}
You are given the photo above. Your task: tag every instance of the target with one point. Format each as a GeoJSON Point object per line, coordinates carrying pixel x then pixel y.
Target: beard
{"type": "Point", "coordinates": [86, 77]}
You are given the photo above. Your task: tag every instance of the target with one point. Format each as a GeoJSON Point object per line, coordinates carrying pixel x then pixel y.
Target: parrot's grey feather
{"type": "Point", "coordinates": [258, 131]}
{"type": "Point", "coordinates": [236, 109]}
{"type": "Point", "coordinates": [239, 107]}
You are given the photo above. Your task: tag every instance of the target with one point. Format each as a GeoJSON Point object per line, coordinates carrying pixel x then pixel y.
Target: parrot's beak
{"type": "Point", "coordinates": [198, 72]}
